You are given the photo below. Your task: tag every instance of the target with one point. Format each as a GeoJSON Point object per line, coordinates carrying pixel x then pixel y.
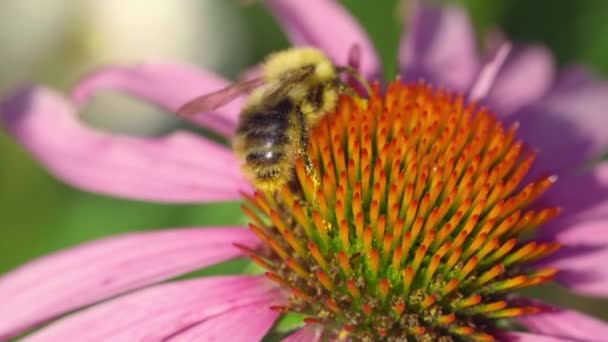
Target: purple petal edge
{"type": "Point", "coordinates": [438, 45]}
{"type": "Point", "coordinates": [568, 125]}
{"type": "Point", "coordinates": [526, 76]}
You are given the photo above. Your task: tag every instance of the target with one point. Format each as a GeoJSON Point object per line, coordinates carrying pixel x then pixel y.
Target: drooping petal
{"type": "Point", "coordinates": [180, 167]}
{"type": "Point", "coordinates": [169, 311]}
{"type": "Point", "coordinates": [583, 196]}
{"type": "Point", "coordinates": [527, 337]}
{"type": "Point", "coordinates": [568, 126]}
{"type": "Point", "coordinates": [438, 45]}
{"type": "Point", "coordinates": [67, 280]}
{"type": "Point", "coordinates": [168, 86]}
{"type": "Point", "coordinates": [327, 25]}
{"type": "Point", "coordinates": [309, 333]}
{"type": "Point", "coordinates": [525, 77]}
{"type": "Point", "coordinates": [582, 257]}
{"type": "Point", "coordinates": [566, 324]}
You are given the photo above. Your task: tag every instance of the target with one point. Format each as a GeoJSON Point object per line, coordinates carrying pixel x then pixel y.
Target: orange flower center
{"type": "Point", "coordinates": [415, 225]}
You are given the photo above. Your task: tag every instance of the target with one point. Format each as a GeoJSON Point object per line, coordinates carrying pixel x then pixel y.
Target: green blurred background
{"type": "Point", "coordinates": [56, 41]}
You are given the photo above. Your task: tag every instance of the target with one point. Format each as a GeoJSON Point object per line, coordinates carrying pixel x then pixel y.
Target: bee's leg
{"type": "Point", "coordinates": [356, 76]}
{"type": "Point", "coordinates": [345, 89]}
{"type": "Point", "coordinates": [303, 153]}
{"type": "Point", "coordinates": [303, 148]}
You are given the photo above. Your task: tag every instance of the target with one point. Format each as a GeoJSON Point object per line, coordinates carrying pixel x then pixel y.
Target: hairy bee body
{"type": "Point", "coordinates": [266, 140]}
{"type": "Point", "coordinates": [272, 132]}
{"type": "Point", "coordinates": [295, 89]}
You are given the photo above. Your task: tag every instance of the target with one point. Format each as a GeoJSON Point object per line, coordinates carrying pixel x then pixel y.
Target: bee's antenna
{"type": "Point", "coordinates": [356, 75]}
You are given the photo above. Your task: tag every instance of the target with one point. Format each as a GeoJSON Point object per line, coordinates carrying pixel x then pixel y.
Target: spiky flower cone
{"type": "Point", "coordinates": [414, 226]}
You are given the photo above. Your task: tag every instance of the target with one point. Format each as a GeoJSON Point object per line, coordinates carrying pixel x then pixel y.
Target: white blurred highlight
{"type": "Point", "coordinates": [59, 40]}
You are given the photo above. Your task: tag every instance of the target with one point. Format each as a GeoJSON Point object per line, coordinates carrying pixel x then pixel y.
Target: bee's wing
{"type": "Point", "coordinates": [216, 99]}
{"type": "Point", "coordinates": [281, 88]}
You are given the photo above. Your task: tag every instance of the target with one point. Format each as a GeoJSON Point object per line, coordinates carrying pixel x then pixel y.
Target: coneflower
{"type": "Point", "coordinates": [427, 216]}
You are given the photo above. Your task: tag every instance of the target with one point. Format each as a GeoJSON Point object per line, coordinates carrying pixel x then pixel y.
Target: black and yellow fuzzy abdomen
{"type": "Point", "coordinates": [266, 140]}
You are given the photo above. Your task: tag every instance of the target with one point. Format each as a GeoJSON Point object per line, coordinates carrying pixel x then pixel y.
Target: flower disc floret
{"type": "Point", "coordinates": [415, 224]}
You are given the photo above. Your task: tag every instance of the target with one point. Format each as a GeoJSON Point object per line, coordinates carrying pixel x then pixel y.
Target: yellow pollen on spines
{"type": "Point", "coordinates": [413, 225]}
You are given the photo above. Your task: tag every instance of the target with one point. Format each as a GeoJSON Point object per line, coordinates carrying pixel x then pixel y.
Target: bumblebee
{"type": "Point", "coordinates": [295, 88]}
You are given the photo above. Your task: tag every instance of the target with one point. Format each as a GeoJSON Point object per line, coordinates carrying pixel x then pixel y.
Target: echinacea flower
{"type": "Point", "coordinates": [430, 213]}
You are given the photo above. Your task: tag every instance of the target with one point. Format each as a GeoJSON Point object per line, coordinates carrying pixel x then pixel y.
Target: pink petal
{"type": "Point", "coordinates": [486, 78]}
{"type": "Point", "coordinates": [245, 324]}
{"type": "Point", "coordinates": [309, 333]}
{"type": "Point", "coordinates": [180, 167]}
{"type": "Point", "coordinates": [568, 126]}
{"type": "Point", "coordinates": [166, 85]}
{"type": "Point", "coordinates": [73, 278]}
{"type": "Point", "coordinates": [526, 337]}
{"type": "Point", "coordinates": [525, 77]}
{"type": "Point", "coordinates": [169, 311]}
{"type": "Point", "coordinates": [327, 25]}
{"type": "Point", "coordinates": [438, 45]}
{"type": "Point", "coordinates": [582, 196]}
{"type": "Point", "coordinates": [566, 324]}
{"type": "Point", "coordinates": [582, 258]}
